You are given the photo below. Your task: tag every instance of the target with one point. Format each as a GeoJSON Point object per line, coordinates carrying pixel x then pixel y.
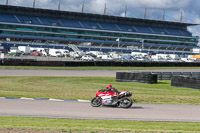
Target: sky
{"type": "Point", "coordinates": [135, 8]}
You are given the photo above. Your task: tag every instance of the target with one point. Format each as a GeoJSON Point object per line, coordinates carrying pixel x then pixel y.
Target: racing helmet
{"type": "Point", "coordinates": [108, 86]}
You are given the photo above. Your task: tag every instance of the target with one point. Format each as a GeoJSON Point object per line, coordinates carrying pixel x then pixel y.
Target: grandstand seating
{"type": "Point", "coordinates": [143, 29]}
{"type": "Point", "coordinates": [71, 23]}
{"type": "Point", "coordinates": [108, 26]}
{"type": "Point", "coordinates": [8, 18]}
{"type": "Point", "coordinates": [50, 21]}
{"type": "Point", "coordinates": [27, 19]}
{"type": "Point", "coordinates": [185, 32]}
{"type": "Point", "coordinates": [90, 25]}
{"type": "Point", "coordinates": [174, 31]}
{"type": "Point", "coordinates": [127, 27]}
{"type": "Point", "coordinates": [159, 30]}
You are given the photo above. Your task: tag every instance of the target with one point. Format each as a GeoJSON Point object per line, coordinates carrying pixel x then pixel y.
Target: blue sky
{"type": "Point", "coordinates": [136, 8]}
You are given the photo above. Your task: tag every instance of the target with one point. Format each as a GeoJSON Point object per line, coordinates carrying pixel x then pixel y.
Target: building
{"type": "Point", "coordinates": [45, 28]}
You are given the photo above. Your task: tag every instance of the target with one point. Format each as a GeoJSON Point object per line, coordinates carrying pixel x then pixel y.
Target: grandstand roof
{"type": "Point", "coordinates": [85, 16]}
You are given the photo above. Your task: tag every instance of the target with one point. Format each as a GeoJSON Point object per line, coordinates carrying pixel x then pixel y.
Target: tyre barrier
{"type": "Point", "coordinates": [169, 75]}
{"type": "Point", "coordinates": [185, 82]}
{"type": "Point", "coordinates": [136, 77]}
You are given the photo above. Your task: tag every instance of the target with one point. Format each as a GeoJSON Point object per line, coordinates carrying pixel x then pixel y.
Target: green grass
{"type": "Point", "coordinates": [69, 87]}
{"type": "Point", "coordinates": [96, 68]}
{"type": "Point", "coordinates": [68, 125]}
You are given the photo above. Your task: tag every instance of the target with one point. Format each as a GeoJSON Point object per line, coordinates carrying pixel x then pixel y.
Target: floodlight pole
{"type": "Point", "coordinates": [125, 11]}
{"type": "Point", "coordinates": [59, 5]}
{"type": "Point", "coordinates": [164, 15]}
{"type": "Point", "coordinates": [6, 2]}
{"type": "Point", "coordinates": [83, 6]}
{"type": "Point", "coordinates": [181, 19]}
{"type": "Point", "coordinates": [142, 44]}
{"type": "Point", "coordinates": [34, 4]}
{"type": "Point", "coordinates": [145, 13]}
{"type": "Point", "coordinates": [118, 43]}
{"type": "Point", "coordinates": [105, 9]}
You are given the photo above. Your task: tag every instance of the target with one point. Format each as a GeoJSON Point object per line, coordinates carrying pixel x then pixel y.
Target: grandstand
{"type": "Point", "coordinates": [53, 28]}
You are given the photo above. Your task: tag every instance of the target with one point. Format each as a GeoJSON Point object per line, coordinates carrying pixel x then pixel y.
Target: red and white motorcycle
{"type": "Point", "coordinates": [110, 99]}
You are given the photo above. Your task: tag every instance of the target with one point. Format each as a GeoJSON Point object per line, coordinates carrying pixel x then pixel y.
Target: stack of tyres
{"type": "Point", "coordinates": [185, 82]}
{"type": "Point", "coordinates": [136, 77]}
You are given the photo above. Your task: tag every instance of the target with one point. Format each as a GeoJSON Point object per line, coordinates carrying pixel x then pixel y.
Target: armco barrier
{"type": "Point", "coordinates": [33, 62]}
{"type": "Point", "coordinates": [136, 77]}
{"type": "Point", "coordinates": [185, 82]}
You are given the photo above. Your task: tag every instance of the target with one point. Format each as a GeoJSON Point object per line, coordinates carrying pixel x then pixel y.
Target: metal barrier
{"type": "Point", "coordinates": [71, 62]}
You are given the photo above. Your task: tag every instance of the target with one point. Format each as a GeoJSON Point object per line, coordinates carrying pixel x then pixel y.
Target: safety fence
{"type": "Point", "coordinates": [34, 62]}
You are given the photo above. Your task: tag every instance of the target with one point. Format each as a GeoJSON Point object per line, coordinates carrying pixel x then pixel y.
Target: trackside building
{"type": "Point", "coordinates": [41, 26]}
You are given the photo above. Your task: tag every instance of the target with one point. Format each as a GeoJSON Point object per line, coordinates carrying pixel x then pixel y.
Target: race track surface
{"type": "Point", "coordinates": [78, 110]}
{"type": "Point", "coordinates": [34, 72]}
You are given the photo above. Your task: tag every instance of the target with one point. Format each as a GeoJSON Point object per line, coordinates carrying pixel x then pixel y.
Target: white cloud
{"type": "Point", "coordinates": [190, 8]}
{"type": "Point", "coordinates": [165, 3]}
{"type": "Point", "coordinates": [97, 6]}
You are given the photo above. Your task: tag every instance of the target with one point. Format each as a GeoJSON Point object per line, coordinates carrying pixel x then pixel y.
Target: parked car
{"type": "Point", "coordinates": [64, 52]}
{"type": "Point", "coordinates": [35, 53]}
{"type": "Point", "coordinates": [15, 53]}
{"type": "Point", "coordinates": [106, 57]}
{"type": "Point", "coordinates": [87, 58]}
{"type": "Point", "coordinates": [55, 53]}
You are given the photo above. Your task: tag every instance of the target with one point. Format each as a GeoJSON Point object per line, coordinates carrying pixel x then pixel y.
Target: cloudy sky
{"type": "Point", "coordinates": [135, 8]}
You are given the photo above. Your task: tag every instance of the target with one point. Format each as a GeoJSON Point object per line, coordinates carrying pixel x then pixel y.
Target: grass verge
{"type": "Point", "coordinates": [95, 68]}
{"type": "Point", "coordinates": [69, 87]}
{"type": "Point", "coordinates": [68, 125]}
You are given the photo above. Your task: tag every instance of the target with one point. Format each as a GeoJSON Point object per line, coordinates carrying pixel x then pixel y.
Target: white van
{"type": "Point", "coordinates": [25, 49]}
{"type": "Point", "coordinates": [43, 51]}
{"type": "Point", "coordinates": [64, 52]}
{"type": "Point", "coordinates": [55, 53]}
{"type": "Point", "coordinates": [106, 57]}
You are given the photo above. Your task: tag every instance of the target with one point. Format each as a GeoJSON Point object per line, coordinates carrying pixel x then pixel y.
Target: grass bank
{"type": "Point", "coordinates": [69, 87]}
{"type": "Point", "coordinates": [68, 125]}
{"type": "Point", "coordinates": [95, 68]}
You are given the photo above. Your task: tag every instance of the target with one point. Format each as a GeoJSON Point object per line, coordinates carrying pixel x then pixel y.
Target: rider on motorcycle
{"type": "Point", "coordinates": [109, 89]}
{"type": "Point", "coordinates": [112, 91]}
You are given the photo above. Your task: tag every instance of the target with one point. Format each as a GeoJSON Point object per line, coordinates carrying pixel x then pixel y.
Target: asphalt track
{"type": "Point", "coordinates": [34, 72]}
{"type": "Point", "coordinates": [78, 110]}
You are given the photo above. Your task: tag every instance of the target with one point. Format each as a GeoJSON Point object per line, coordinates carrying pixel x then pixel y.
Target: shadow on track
{"type": "Point", "coordinates": [133, 107]}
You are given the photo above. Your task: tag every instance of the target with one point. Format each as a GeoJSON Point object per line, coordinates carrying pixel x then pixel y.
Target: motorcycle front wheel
{"type": "Point", "coordinates": [126, 102]}
{"type": "Point", "coordinates": [96, 102]}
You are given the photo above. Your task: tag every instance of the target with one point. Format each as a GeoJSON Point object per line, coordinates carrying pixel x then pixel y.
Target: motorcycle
{"type": "Point", "coordinates": [110, 99]}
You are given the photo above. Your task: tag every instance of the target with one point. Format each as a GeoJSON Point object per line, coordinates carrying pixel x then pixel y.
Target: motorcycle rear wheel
{"type": "Point", "coordinates": [126, 102]}
{"type": "Point", "coordinates": [96, 102]}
